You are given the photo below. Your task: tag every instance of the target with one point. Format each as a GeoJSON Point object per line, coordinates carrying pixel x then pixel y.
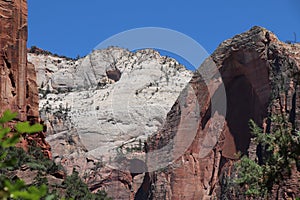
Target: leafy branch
{"type": "Point", "coordinates": [281, 151]}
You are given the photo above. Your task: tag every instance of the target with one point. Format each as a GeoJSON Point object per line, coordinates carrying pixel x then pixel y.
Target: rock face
{"type": "Point", "coordinates": [18, 88]}
{"type": "Point", "coordinates": [251, 76]}
{"type": "Point", "coordinates": [260, 77]}
{"type": "Point", "coordinates": [13, 56]}
{"type": "Point", "coordinates": [107, 94]}
{"type": "Point", "coordinates": [104, 105]}
{"type": "Point", "coordinates": [111, 101]}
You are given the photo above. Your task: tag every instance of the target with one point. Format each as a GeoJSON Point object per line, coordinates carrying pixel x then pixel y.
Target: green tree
{"type": "Point", "coordinates": [280, 149]}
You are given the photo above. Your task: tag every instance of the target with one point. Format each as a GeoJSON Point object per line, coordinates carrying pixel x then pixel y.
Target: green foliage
{"type": "Point", "coordinates": [12, 158]}
{"type": "Point", "coordinates": [15, 189]}
{"type": "Point", "coordinates": [251, 175]}
{"type": "Point", "coordinates": [76, 189]}
{"type": "Point", "coordinates": [4, 131]}
{"type": "Point", "coordinates": [134, 148]}
{"type": "Point", "coordinates": [19, 190]}
{"type": "Point", "coordinates": [24, 127]}
{"type": "Point", "coordinates": [280, 149]}
{"type": "Point", "coordinates": [7, 116]}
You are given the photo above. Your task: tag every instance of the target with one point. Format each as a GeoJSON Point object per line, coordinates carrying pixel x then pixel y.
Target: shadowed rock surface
{"type": "Point", "coordinates": [260, 78]}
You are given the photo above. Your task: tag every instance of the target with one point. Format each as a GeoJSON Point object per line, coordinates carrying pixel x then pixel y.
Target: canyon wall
{"type": "Point", "coordinates": [251, 76]}
{"type": "Point", "coordinates": [260, 78]}
{"type": "Point", "coordinates": [260, 75]}
{"type": "Point", "coordinates": [18, 87]}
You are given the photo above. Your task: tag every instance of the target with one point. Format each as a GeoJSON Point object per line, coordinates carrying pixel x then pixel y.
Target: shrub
{"type": "Point", "coordinates": [15, 189]}
{"type": "Point", "coordinates": [280, 149]}
{"type": "Point", "coordinates": [77, 189]}
{"type": "Point", "coordinates": [12, 158]}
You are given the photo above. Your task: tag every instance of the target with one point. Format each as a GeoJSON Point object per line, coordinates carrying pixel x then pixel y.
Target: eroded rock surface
{"type": "Point", "coordinates": [111, 100]}
{"type": "Point", "coordinates": [251, 76]}
{"type": "Point", "coordinates": [260, 77]}
{"type": "Point", "coordinates": [18, 88]}
{"type": "Point", "coordinates": [13, 58]}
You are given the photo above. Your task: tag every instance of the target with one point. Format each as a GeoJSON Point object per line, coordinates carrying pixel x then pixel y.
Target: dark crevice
{"type": "Point", "coordinates": [32, 120]}
{"type": "Point", "coordinates": [292, 117]}
{"type": "Point", "coordinates": [194, 159]}
{"type": "Point", "coordinates": [44, 127]}
{"type": "Point", "coordinates": [206, 117]}
{"type": "Point", "coordinates": [212, 173]}
{"type": "Point", "coordinates": [268, 121]}
{"type": "Point", "coordinates": [49, 70]}
{"type": "Point", "coordinates": [27, 108]}
{"type": "Point", "coordinates": [13, 93]}
{"type": "Point", "coordinates": [12, 79]}
{"type": "Point", "coordinates": [143, 192]}
{"type": "Point", "coordinates": [7, 63]}
{"type": "Point", "coordinates": [223, 162]}
{"type": "Point", "coordinates": [27, 89]}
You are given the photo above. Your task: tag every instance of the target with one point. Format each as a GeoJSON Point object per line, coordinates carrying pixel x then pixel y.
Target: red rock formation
{"type": "Point", "coordinates": [13, 56]}
{"type": "Point", "coordinates": [252, 66]}
{"type": "Point", "coordinates": [18, 88]}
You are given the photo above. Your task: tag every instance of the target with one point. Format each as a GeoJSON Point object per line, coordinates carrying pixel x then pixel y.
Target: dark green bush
{"type": "Point", "coordinates": [13, 158]}
{"type": "Point", "coordinates": [280, 149]}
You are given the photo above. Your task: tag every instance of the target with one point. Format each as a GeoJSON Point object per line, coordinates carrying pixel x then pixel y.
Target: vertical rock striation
{"type": "Point", "coordinates": [260, 75]}
{"type": "Point", "coordinates": [13, 60]}
{"type": "Point", "coordinates": [18, 88]}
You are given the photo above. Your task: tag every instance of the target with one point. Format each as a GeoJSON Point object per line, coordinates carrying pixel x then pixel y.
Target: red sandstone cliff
{"type": "Point", "coordinates": [18, 88]}
{"type": "Point", "coordinates": [253, 66]}
{"type": "Point", "coordinates": [259, 79]}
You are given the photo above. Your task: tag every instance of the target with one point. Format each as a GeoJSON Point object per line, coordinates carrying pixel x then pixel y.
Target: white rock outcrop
{"type": "Point", "coordinates": [109, 99]}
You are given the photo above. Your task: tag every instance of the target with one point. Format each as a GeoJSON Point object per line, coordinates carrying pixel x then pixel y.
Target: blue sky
{"type": "Point", "coordinates": [74, 27]}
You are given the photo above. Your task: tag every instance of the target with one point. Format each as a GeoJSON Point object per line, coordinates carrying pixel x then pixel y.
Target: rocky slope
{"type": "Point", "coordinates": [18, 88]}
{"type": "Point", "coordinates": [104, 105]}
{"type": "Point", "coordinates": [260, 77]}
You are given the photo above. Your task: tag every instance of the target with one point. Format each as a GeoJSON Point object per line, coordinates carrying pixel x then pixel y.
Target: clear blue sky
{"type": "Point", "coordinates": [75, 27]}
